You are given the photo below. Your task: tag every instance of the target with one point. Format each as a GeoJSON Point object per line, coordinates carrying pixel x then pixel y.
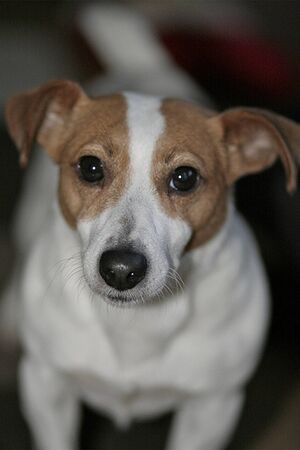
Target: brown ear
{"type": "Point", "coordinates": [254, 139]}
{"type": "Point", "coordinates": [41, 115]}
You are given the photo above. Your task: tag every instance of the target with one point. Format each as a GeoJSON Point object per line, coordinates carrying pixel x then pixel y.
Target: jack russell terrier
{"type": "Point", "coordinates": [142, 290]}
{"type": "Point", "coordinates": [144, 223]}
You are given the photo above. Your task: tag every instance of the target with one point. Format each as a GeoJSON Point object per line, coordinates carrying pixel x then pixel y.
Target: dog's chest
{"type": "Point", "coordinates": [120, 346]}
{"type": "Point", "coordinates": [117, 360]}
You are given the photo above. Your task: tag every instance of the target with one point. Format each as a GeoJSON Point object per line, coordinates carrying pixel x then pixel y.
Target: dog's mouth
{"type": "Point", "coordinates": [118, 299]}
{"type": "Point", "coordinates": [126, 300]}
{"type": "Point", "coordinates": [125, 303]}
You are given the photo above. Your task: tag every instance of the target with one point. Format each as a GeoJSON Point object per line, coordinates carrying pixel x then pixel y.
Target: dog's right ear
{"type": "Point", "coordinates": [41, 115]}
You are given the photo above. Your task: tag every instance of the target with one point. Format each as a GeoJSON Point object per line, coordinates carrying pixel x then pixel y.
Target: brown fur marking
{"type": "Point", "coordinates": [99, 129]}
{"type": "Point", "coordinates": [187, 142]}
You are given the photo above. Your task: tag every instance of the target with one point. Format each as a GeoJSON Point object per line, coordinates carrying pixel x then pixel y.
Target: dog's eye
{"type": "Point", "coordinates": [90, 169]}
{"type": "Point", "coordinates": [184, 179]}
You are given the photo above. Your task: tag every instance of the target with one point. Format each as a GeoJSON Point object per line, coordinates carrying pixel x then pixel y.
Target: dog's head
{"type": "Point", "coordinates": [144, 180]}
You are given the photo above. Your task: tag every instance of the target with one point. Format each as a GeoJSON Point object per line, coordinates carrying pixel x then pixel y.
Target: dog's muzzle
{"type": "Point", "coordinates": [122, 269]}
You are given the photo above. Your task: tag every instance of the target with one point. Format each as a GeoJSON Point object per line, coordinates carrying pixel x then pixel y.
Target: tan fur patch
{"type": "Point", "coordinates": [99, 128]}
{"type": "Point", "coordinates": [187, 141]}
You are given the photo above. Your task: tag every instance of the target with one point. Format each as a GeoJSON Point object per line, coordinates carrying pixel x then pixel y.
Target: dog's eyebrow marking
{"type": "Point", "coordinates": [170, 156]}
{"type": "Point", "coordinates": [108, 150]}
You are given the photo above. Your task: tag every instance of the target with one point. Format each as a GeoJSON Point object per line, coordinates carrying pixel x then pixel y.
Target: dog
{"type": "Point", "coordinates": [157, 298]}
{"type": "Point", "coordinates": [141, 289]}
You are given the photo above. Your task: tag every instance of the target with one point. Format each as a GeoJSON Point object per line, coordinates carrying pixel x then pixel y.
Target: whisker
{"type": "Point", "coordinates": [177, 275]}
{"type": "Point", "coordinates": [60, 267]}
{"type": "Point", "coordinates": [174, 276]}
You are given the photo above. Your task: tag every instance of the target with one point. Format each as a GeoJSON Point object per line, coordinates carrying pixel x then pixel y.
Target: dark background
{"type": "Point", "coordinates": [40, 40]}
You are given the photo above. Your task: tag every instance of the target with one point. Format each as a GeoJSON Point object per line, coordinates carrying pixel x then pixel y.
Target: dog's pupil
{"type": "Point", "coordinates": [184, 178]}
{"type": "Point", "coordinates": [90, 168]}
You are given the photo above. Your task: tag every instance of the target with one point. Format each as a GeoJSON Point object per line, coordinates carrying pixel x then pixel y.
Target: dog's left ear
{"type": "Point", "coordinates": [41, 115]}
{"type": "Point", "coordinates": [254, 139]}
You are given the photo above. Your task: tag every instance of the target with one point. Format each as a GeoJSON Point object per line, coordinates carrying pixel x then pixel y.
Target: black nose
{"type": "Point", "coordinates": [122, 269]}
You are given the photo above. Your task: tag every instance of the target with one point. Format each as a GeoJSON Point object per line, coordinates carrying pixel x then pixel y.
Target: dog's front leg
{"type": "Point", "coordinates": [205, 422]}
{"type": "Point", "coordinates": [51, 409]}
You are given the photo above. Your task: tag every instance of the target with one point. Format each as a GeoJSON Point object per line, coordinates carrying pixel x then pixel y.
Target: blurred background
{"type": "Point", "coordinates": [242, 53]}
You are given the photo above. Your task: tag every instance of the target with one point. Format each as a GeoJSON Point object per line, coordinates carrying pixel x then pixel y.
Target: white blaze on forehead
{"type": "Point", "coordinates": [145, 124]}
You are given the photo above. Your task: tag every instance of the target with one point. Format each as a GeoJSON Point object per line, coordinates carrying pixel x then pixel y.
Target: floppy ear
{"type": "Point", "coordinates": [254, 139]}
{"type": "Point", "coordinates": [41, 115]}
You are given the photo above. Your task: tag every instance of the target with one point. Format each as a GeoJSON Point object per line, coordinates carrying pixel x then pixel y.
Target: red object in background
{"type": "Point", "coordinates": [249, 61]}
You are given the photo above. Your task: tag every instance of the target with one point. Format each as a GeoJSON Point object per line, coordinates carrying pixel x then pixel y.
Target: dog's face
{"type": "Point", "coordinates": [140, 183]}
{"type": "Point", "coordinates": [143, 180]}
